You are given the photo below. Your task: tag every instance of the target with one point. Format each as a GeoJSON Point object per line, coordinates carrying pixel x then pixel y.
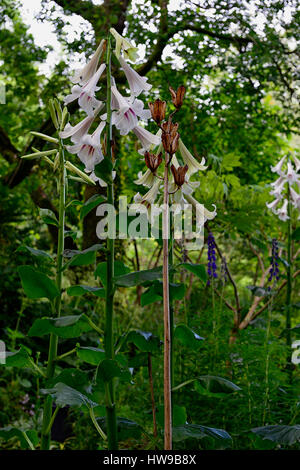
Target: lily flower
{"type": "Point", "coordinates": [126, 116]}
{"type": "Point", "coordinates": [137, 84]}
{"type": "Point", "coordinates": [77, 132]}
{"type": "Point", "coordinates": [99, 180]}
{"type": "Point", "coordinates": [278, 181]}
{"type": "Point", "coordinates": [150, 196]}
{"type": "Point", "coordinates": [208, 215]}
{"type": "Point", "coordinates": [130, 52]}
{"type": "Point", "coordinates": [295, 198]}
{"type": "Point", "coordinates": [291, 175]}
{"type": "Point", "coordinates": [86, 94]}
{"type": "Point", "coordinates": [147, 179]}
{"type": "Point", "coordinates": [282, 212]}
{"type": "Point", "coordinates": [82, 76]}
{"type": "Point", "coordinates": [89, 148]}
{"type": "Point", "coordinates": [272, 205]}
{"type": "Point", "coordinates": [147, 139]}
{"type": "Point", "coordinates": [277, 191]}
{"type": "Point", "coordinates": [277, 168]}
{"type": "Point", "coordinates": [189, 160]}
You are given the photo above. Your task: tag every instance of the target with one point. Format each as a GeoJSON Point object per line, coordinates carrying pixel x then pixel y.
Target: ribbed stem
{"type": "Point", "coordinates": [167, 329]}
{"type": "Point", "coordinates": [111, 416]}
{"type": "Point", "coordinates": [47, 414]}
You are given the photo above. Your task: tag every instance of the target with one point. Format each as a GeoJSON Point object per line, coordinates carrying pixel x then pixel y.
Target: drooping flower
{"type": "Point", "coordinates": [272, 205]}
{"type": "Point", "coordinates": [77, 132]}
{"type": "Point", "coordinates": [188, 158]}
{"type": "Point", "coordinates": [146, 179]}
{"type": "Point", "coordinates": [283, 211]}
{"type": "Point", "coordinates": [295, 198]}
{"type": "Point", "coordinates": [130, 52]}
{"type": "Point", "coordinates": [86, 94]}
{"type": "Point", "coordinates": [89, 148]}
{"type": "Point", "coordinates": [277, 168]}
{"type": "Point", "coordinates": [137, 84]}
{"type": "Point", "coordinates": [147, 139]}
{"type": "Point", "coordinates": [82, 76]}
{"type": "Point", "coordinates": [125, 118]}
{"type": "Point", "coordinates": [291, 175]}
{"type": "Point", "coordinates": [149, 198]}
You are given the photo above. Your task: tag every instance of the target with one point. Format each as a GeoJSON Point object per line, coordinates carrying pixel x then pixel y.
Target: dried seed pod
{"type": "Point", "coordinates": [153, 161]}
{"type": "Point", "coordinates": [179, 174]}
{"type": "Point", "coordinates": [170, 142]}
{"type": "Point", "coordinates": [177, 96]}
{"type": "Point", "coordinates": [158, 110]}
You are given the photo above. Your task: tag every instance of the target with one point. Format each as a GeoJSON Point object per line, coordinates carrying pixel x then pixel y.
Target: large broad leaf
{"type": "Point", "coordinates": [19, 358]}
{"type": "Point", "coordinates": [82, 258]}
{"type": "Point", "coordinates": [81, 290]}
{"type": "Point", "coordinates": [144, 340]}
{"type": "Point", "coordinates": [90, 204]}
{"type": "Point", "coordinates": [119, 270]}
{"type": "Point", "coordinates": [9, 432]}
{"type": "Point", "coordinates": [187, 336]}
{"type": "Point", "coordinates": [65, 395]}
{"type": "Point", "coordinates": [196, 431]}
{"type": "Point", "coordinates": [70, 326]}
{"type": "Point", "coordinates": [90, 355]}
{"type": "Point", "coordinates": [198, 269]}
{"type": "Point", "coordinates": [138, 277]}
{"type": "Point", "coordinates": [217, 385]}
{"type": "Point", "coordinates": [34, 252]}
{"type": "Point", "coordinates": [48, 217]}
{"type": "Point", "coordinates": [127, 429]}
{"type": "Point", "coordinates": [285, 435]}
{"type": "Point", "coordinates": [109, 369]}
{"type": "Point", "coordinates": [155, 293]}
{"type": "Point", "coordinates": [72, 377]}
{"type": "Point", "coordinates": [139, 360]}
{"type": "Point", "coordinates": [179, 416]}
{"type": "Point", "coordinates": [36, 284]}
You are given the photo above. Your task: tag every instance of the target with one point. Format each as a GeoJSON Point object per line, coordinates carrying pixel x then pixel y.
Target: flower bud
{"type": "Point", "coordinates": [158, 110]}
{"type": "Point", "coordinates": [152, 161]}
{"type": "Point", "coordinates": [177, 96]}
{"type": "Point", "coordinates": [179, 174]}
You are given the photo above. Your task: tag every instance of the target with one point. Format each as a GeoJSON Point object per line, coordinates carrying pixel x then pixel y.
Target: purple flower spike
{"type": "Point", "coordinates": [211, 258]}
{"type": "Point", "coordinates": [274, 269]}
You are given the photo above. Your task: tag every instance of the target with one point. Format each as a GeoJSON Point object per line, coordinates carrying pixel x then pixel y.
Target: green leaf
{"type": "Point", "coordinates": [71, 233]}
{"type": "Point", "coordinates": [64, 395]}
{"type": "Point", "coordinates": [82, 258]}
{"type": "Point", "coordinates": [36, 284]}
{"type": "Point", "coordinates": [9, 432]}
{"type": "Point", "coordinates": [109, 369]}
{"type": "Point", "coordinates": [18, 358]}
{"type": "Point", "coordinates": [217, 385]}
{"type": "Point", "coordinates": [138, 277]}
{"type": "Point", "coordinates": [81, 290]}
{"type": "Point", "coordinates": [179, 415]}
{"type": "Point", "coordinates": [34, 252]}
{"type": "Point", "coordinates": [139, 360]}
{"type": "Point", "coordinates": [187, 336]}
{"type": "Point", "coordinates": [155, 292]}
{"type": "Point", "coordinates": [90, 355]}
{"type": "Point", "coordinates": [90, 204]}
{"type": "Point", "coordinates": [150, 296]}
{"type": "Point", "coordinates": [144, 340]}
{"type": "Point", "coordinates": [48, 217]}
{"type": "Point", "coordinates": [296, 234]}
{"type": "Point", "coordinates": [281, 434]}
{"type": "Point", "coordinates": [104, 170]}
{"type": "Point", "coordinates": [196, 431]}
{"type": "Point", "coordinates": [127, 429]}
{"type": "Point", "coordinates": [198, 269]}
{"type": "Point", "coordinates": [119, 270]}
{"type": "Point", "coordinates": [70, 326]}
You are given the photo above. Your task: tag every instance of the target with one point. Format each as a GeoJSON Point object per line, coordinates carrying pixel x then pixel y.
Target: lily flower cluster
{"type": "Point", "coordinates": [180, 186]}
{"type": "Point", "coordinates": [126, 110]}
{"type": "Point", "coordinates": [288, 175]}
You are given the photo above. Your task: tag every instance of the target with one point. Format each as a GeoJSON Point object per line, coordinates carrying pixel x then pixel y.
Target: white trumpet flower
{"type": "Point", "coordinates": [86, 94]}
{"type": "Point", "coordinates": [291, 175]}
{"type": "Point", "coordinates": [277, 168]}
{"type": "Point", "coordinates": [282, 212]}
{"type": "Point", "coordinates": [150, 197]}
{"type": "Point", "coordinates": [77, 132]}
{"type": "Point", "coordinates": [277, 191]}
{"type": "Point", "coordinates": [208, 215]}
{"type": "Point", "coordinates": [82, 76]}
{"type": "Point", "coordinates": [137, 84]}
{"type": "Point", "coordinates": [123, 44]}
{"type": "Point", "coordinates": [272, 205]}
{"type": "Point", "coordinates": [147, 139]}
{"type": "Point", "coordinates": [295, 198]}
{"type": "Point", "coordinates": [146, 179]}
{"type": "Point", "coordinates": [189, 160]}
{"type": "Point", "coordinates": [89, 148]}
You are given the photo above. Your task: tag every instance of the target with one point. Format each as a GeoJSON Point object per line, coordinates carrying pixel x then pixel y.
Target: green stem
{"type": "Point", "coordinates": [111, 417]}
{"type": "Point", "coordinates": [93, 418]}
{"type": "Point", "coordinates": [288, 294]}
{"type": "Point", "coordinates": [31, 446]}
{"type": "Point", "coordinates": [47, 414]}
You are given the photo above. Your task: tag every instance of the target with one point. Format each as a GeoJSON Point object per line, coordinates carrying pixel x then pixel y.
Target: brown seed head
{"type": "Point", "coordinates": [169, 127]}
{"type": "Point", "coordinates": [170, 142]}
{"type": "Point", "coordinates": [152, 161]}
{"type": "Point", "coordinates": [179, 174]}
{"type": "Point", "coordinates": [177, 96]}
{"type": "Point", "coordinates": [158, 110]}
